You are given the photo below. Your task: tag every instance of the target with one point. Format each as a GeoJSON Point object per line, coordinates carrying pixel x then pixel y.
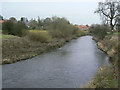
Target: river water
{"type": "Point", "coordinates": [71, 66]}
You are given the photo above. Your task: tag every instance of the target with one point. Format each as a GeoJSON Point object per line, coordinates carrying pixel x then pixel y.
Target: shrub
{"type": "Point", "coordinates": [18, 28]}
{"type": "Point", "coordinates": [25, 32]}
{"type": "Point", "coordinates": [100, 31]}
{"type": "Point", "coordinates": [60, 28]}
{"type": "Point", "coordinates": [38, 35]}
{"type": "Point", "coordinates": [9, 27]}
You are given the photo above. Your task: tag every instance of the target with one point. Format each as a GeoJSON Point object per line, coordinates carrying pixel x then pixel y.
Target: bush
{"type": "Point", "coordinates": [25, 32]}
{"type": "Point", "coordinates": [18, 28]}
{"type": "Point", "coordinates": [99, 31]}
{"type": "Point", "coordinates": [60, 28]}
{"type": "Point", "coordinates": [38, 35]}
{"type": "Point", "coordinates": [12, 28]}
{"type": "Point", "coordinates": [8, 27]}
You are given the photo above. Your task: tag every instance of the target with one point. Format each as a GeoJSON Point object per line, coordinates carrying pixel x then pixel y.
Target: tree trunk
{"type": "Point", "coordinates": [112, 26]}
{"type": "Point", "coordinates": [112, 29]}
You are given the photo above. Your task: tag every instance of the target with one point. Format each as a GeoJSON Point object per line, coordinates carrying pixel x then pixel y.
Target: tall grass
{"type": "Point", "coordinates": [38, 35]}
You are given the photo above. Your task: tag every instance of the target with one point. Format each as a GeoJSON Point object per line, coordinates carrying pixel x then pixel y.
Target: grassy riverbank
{"type": "Point", "coordinates": [36, 37]}
{"type": "Point", "coordinates": [16, 48]}
{"type": "Point", "coordinates": [107, 76]}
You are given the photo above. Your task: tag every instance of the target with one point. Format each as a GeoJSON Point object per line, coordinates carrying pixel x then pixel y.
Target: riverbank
{"type": "Point", "coordinates": [15, 48]}
{"type": "Point", "coordinates": [107, 76]}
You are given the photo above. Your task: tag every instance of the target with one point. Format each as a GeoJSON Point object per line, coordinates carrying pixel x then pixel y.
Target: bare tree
{"type": "Point", "coordinates": [118, 19]}
{"type": "Point", "coordinates": [108, 11]}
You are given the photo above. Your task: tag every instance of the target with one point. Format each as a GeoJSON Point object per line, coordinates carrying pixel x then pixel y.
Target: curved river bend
{"type": "Point", "coordinates": [70, 66]}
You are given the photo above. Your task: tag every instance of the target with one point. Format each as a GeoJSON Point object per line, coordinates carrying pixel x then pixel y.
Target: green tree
{"type": "Point", "coordinates": [13, 19]}
{"type": "Point", "coordinates": [39, 24]}
{"type": "Point", "coordinates": [18, 28]}
{"type": "Point", "coordinates": [24, 20]}
{"type": "Point", "coordinates": [32, 24]}
{"type": "Point", "coordinates": [60, 27]}
{"type": "Point", "coordinates": [8, 27]}
{"type": "Point", "coordinates": [46, 22]}
{"type": "Point", "coordinates": [1, 17]}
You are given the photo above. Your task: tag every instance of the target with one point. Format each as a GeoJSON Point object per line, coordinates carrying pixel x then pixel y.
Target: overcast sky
{"type": "Point", "coordinates": [76, 11]}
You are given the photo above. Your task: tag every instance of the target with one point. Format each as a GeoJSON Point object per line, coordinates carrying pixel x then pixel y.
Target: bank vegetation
{"type": "Point", "coordinates": [107, 76]}
{"type": "Point", "coordinates": [20, 42]}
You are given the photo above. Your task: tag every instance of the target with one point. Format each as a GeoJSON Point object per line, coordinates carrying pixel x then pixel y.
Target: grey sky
{"type": "Point", "coordinates": [75, 12]}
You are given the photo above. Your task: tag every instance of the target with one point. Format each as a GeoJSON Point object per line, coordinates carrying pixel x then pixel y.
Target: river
{"type": "Point", "coordinates": [71, 66]}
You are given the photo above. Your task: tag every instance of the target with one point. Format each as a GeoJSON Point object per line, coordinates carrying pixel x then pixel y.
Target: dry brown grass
{"type": "Point", "coordinates": [107, 76]}
{"type": "Point", "coordinates": [16, 48]}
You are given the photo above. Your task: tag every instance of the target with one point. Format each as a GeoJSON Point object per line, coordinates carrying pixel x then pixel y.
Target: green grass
{"type": "Point", "coordinates": [115, 33]}
{"type": "Point", "coordinates": [108, 32]}
{"type": "Point", "coordinates": [6, 36]}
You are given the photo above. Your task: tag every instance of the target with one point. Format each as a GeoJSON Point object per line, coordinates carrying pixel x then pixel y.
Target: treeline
{"type": "Point", "coordinates": [55, 26]}
{"type": "Point", "coordinates": [13, 27]}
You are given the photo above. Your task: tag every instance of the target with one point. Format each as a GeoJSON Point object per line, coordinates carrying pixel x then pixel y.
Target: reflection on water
{"type": "Point", "coordinates": [70, 66]}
